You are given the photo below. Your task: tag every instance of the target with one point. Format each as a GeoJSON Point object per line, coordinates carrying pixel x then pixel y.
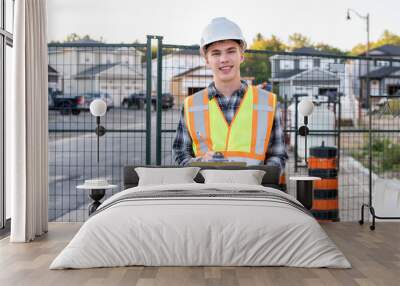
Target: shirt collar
{"type": "Point", "coordinates": [213, 92]}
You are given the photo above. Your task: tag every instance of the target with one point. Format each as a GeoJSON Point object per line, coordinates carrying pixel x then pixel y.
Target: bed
{"type": "Point", "coordinates": [201, 224]}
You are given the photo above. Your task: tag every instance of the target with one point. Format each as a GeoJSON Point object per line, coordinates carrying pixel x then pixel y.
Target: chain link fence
{"type": "Point", "coordinates": [357, 110]}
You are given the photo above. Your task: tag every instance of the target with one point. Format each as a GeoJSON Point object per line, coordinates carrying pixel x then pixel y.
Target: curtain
{"type": "Point", "coordinates": [27, 123]}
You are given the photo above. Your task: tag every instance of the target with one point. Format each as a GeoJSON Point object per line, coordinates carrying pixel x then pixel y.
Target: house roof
{"type": "Point", "coordinates": [381, 73]}
{"type": "Point", "coordinates": [306, 50]}
{"type": "Point", "coordinates": [92, 71]}
{"type": "Point", "coordinates": [111, 71]}
{"type": "Point", "coordinates": [385, 50]}
{"type": "Point", "coordinates": [315, 74]}
{"type": "Point", "coordinates": [312, 51]}
{"type": "Point", "coordinates": [287, 74]}
{"type": "Point", "coordinates": [199, 71]}
{"type": "Point", "coordinates": [392, 50]}
{"type": "Point", "coordinates": [303, 52]}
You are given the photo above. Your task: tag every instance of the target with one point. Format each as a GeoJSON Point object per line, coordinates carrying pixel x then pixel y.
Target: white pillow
{"type": "Point", "coordinates": [166, 176]}
{"type": "Point", "coordinates": [248, 177]}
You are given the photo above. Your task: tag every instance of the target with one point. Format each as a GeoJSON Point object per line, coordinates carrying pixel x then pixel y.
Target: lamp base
{"type": "Point", "coordinates": [100, 130]}
{"type": "Point", "coordinates": [96, 195]}
{"type": "Point", "coordinates": [304, 131]}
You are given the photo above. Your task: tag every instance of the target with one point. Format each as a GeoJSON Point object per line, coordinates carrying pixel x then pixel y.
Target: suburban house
{"type": "Point", "coordinates": [384, 75]}
{"type": "Point", "coordinates": [116, 79]}
{"type": "Point", "coordinates": [307, 73]}
{"type": "Point", "coordinates": [52, 77]}
{"type": "Point", "coordinates": [321, 76]}
{"type": "Point", "coordinates": [174, 64]}
{"type": "Point", "coordinates": [118, 71]}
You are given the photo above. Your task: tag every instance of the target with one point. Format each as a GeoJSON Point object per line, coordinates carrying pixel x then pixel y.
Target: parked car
{"type": "Point", "coordinates": [134, 100]}
{"type": "Point", "coordinates": [138, 100]}
{"type": "Point", "coordinates": [167, 101]}
{"type": "Point", "coordinates": [65, 104]}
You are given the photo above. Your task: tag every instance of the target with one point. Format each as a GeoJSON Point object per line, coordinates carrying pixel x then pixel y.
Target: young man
{"type": "Point", "coordinates": [238, 120]}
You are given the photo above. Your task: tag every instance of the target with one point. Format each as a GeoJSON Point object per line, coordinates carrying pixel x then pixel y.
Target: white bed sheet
{"type": "Point", "coordinates": [200, 231]}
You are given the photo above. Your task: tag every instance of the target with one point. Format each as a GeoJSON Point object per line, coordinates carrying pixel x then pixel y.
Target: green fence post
{"type": "Point", "coordinates": [159, 100]}
{"type": "Point", "coordinates": [148, 100]}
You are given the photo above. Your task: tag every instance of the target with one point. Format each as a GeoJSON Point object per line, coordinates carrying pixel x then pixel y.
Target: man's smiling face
{"type": "Point", "coordinates": [224, 59]}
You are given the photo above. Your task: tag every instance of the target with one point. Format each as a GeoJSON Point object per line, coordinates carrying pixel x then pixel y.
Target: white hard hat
{"type": "Point", "coordinates": [221, 29]}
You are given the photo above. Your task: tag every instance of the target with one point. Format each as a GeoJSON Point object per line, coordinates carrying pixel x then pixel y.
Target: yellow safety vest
{"type": "Point", "coordinates": [245, 139]}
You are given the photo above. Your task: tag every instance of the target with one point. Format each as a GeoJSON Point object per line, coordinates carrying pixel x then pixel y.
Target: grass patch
{"type": "Point", "coordinates": [385, 155]}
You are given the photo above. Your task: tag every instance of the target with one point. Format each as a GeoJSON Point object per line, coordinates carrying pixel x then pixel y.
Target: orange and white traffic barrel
{"type": "Point", "coordinates": [323, 163]}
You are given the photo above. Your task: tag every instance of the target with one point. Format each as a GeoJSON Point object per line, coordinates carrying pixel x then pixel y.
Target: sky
{"type": "Point", "coordinates": [182, 21]}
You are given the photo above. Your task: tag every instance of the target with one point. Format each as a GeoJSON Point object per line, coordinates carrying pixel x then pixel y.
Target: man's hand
{"type": "Point", "coordinates": [206, 157]}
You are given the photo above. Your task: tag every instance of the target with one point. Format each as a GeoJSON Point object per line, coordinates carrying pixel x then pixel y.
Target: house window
{"type": "Point", "coordinates": [286, 65]}
{"type": "Point", "coordinates": [317, 63]}
{"type": "Point", "coordinates": [305, 64]}
{"type": "Point", "coordinates": [382, 63]}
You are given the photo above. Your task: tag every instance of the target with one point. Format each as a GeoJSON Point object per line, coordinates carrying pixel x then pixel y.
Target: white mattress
{"type": "Point", "coordinates": [191, 231]}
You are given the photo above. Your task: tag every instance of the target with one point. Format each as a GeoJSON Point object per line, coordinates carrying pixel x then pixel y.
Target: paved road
{"type": "Point", "coordinates": [73, 155]}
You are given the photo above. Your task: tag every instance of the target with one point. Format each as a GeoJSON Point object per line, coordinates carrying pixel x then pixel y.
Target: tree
{"type": "Point", "coordinates": [328, 48]}
{"type": "Point", "coordinates": [258, 65]}
{"type": "Point", "coordinates": [259, 37]}
{"type": "Point", "coordinates": [387, 38]}
{"type": "Point", "coordinates": [271, 44]}
{"type": "Point", "coordinates": [358, 49]}
{"type": "Point", "coordinates": [75, 37]}
{"type": "Point", "coordinates": [298, 40]}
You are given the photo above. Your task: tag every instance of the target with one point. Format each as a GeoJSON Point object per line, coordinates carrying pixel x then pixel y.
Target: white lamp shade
{"type": "Point", "coordinates": [98, 107]}
{"type": "Point", "coordinates": [306, 107]}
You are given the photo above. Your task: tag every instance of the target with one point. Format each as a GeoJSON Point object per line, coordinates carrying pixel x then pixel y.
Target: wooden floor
{"type": "Point", "coordinates": [374, 255]}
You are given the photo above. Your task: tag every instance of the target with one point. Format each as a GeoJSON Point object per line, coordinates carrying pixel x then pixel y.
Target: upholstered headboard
{"type": "Point", "coordinates": [270, 179]}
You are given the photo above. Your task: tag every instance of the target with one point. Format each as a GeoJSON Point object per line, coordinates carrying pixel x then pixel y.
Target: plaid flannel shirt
{"type": "Point", "coordinates": [182, 150]}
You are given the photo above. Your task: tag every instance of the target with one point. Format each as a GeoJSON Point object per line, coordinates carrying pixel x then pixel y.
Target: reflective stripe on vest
{"type": "Point", "coordinates": [196, 113]}
{"type": "Point", "coordinates": [245, 139]}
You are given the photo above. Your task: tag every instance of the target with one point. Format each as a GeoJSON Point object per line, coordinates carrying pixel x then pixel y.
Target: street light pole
{"type": "Point", "coordinates": [366, 18]}
{"type": "Point", "coordinates": [368, 101]}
